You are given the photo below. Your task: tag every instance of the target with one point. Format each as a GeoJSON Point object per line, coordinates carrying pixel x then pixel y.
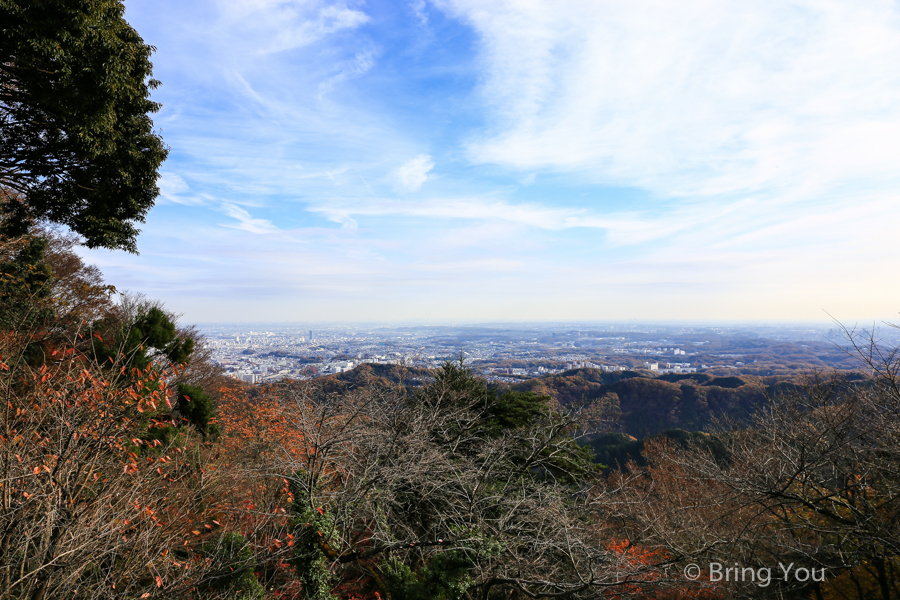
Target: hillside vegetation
{"type": "Point", "coordinates": [131, 468]}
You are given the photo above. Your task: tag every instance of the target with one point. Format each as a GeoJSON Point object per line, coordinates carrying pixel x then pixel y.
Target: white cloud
{"type": "Point", "coordinates": [419, 10]}
{"type": "Point", "coordinates": [622, 228]}
{"type": "Point", "coordinates": [274, 25]}
{"type": "Point", "coordinates": [246, 222]}
{"type": "Point", "coordinates": [170, 185]}
{"type": "Point", "coordinates": [697, 97]}
{"type": "Point", "coordinates": [343, 218]}
{"type": "Point", "coordinates": [356, 67]}
{"type": "Point", "coordinates": [767, 133]}
{"type": "Point", "coordinates": [413, 173]}
{"type": "Point", "coordinates": [174, 188]}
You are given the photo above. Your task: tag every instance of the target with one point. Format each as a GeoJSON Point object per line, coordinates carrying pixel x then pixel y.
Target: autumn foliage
{"type": "Point", "coordinates": [130, 467]}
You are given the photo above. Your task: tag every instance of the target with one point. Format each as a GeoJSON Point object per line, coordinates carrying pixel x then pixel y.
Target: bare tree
{"type": "Point", "coordinates": [812, 479]}
{"type": "Point", "coordinates": [454, 491]}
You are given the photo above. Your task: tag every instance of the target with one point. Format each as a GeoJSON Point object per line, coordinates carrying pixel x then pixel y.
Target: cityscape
{"type": "Point", "coordinates": [265, 353]}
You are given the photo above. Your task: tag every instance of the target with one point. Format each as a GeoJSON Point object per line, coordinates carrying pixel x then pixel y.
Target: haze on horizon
{"type": "Point", "coordinates": [463, 161]}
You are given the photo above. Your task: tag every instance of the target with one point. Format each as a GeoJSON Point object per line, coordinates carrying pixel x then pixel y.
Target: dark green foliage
{"type": "Point", "coordinates": [312, 528]}
{"type": "Point", "coordinates": [454, 382]}
{"type": "Point", "coordinates": [693, 405]}
{"type": "Point", "coordinates": [134, 345]}
{"type": "Point", "coordinates": [602, 377]}
{"type": "Point", "coordinates": [444, 577]}
{"type": "Point", "coordinates": [676, 377]}
{"type": "Point", "coordinates": [197, 407]}
{"type": "Point", "coordinates": [615, 450]}
{"type": "Point", "coordinates": [24, 288]}
{"type": "Point", "coordinates": [375, 374]}
{"type": "Point", "coordinates": [150, 335]}
{"type": "Point", "coordinates": [443, 489]}
{"type": "Point", "coordinates": [496, 411]}
{"type": "Point", "coordinates": [77, 145]}
{"type": "Point", "coordinates": [726, 382]}
{"type": "Point", "coordinates": [649, 405]}
{"type": "Point", "coordinates": [513, 410]}
{"type": "Point", "coordinates": [232, 568]}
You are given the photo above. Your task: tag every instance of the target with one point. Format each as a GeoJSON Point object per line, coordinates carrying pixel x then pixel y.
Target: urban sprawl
{"type": "Point", "coordinates": [268, 353]}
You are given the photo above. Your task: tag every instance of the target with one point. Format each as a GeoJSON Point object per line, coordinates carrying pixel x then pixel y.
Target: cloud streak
{"type": "Point", "coordinates": [623, 228]}
{"type": "Point", "coordinates": [271, 26]}
{"type": "Point", "coordinates": [245, 221]}
{"type": "Point", "coordinates": [523, 158]}
{"type": "Point", "coordinates": [692, 98]}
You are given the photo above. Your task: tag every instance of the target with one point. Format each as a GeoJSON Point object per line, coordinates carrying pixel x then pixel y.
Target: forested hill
{"type": "Point", "coordinates": [369, 374]}
{"type": "Point", "coordinates": [650, 405]}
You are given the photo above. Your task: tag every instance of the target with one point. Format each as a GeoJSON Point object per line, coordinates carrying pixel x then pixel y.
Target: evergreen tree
{"type": "Point", "coordinates": [77, 145]}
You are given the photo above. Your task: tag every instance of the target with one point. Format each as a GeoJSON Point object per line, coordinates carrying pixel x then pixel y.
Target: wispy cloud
{"type": "Point", "coordinates": [355, 67]}
{"type": "Point", "coordinates": [621, 228]}
{"type": "Point", "coordinates": [413, 173]}
{"type": "Point", "coordinates": [420, 11]}
{"type": "Point", "coordinates": [274, 26]}
{"type": "Point", "coordinates": [693, 97]}
{"type": "Point", "coordinates": [594, 158]}
{"type": "Point", "coordinates": [246, 222]}
{"type": "Point", "coordinates": [173, 188]}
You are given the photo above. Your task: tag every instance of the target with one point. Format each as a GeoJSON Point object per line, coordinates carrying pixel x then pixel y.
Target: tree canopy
{"type": "Point", "coordinates": [77, 145]}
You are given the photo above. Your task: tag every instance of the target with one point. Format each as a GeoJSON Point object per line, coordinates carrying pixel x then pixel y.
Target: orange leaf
{"type": "Point", "coordinates": [158, 581]}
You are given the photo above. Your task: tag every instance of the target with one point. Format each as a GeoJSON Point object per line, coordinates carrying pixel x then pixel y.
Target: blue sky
{"type": "Point", "coordinates": [522, 160]}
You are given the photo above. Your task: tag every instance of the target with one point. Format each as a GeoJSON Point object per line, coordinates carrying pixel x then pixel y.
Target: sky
{"type": "Point", "coordinates": [486, 160]}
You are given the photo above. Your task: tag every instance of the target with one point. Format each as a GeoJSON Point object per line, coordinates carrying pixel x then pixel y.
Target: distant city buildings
{"type": "Point", "coordinates": [501, 353]}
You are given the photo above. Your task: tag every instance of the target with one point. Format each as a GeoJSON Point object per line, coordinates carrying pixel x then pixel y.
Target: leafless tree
{"type": "Point", "coordinates": [454, 491]}
{"type": "Point", "coordinates": [813, 479]}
